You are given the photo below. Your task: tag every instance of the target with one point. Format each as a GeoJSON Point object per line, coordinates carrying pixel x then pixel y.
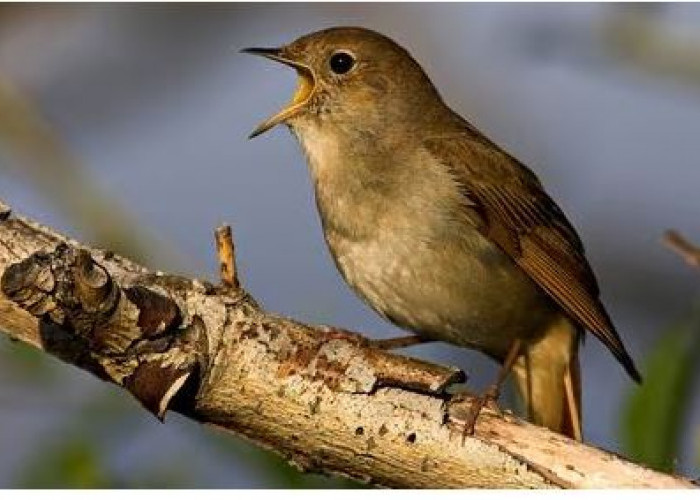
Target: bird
{"type": "Point", "coordinates": [435, 226]}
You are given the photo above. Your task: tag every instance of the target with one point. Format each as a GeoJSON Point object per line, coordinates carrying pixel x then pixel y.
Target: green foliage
{"type": "Point", "coordinates": [24, 362]}
{"type": "Point", "coordinates": [73, 463]}
{"type": "Point", "coordinates": [654, 414]}
{"type": "Point", "coordinates": [80, 453]}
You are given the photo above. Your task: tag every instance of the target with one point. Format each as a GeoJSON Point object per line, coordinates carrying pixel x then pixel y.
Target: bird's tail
{"type": "Point", "coordinates": [548, 377]}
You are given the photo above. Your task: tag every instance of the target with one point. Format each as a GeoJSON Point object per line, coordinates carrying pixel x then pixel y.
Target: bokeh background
{"type": "Point", "coordinates": [125, 126]}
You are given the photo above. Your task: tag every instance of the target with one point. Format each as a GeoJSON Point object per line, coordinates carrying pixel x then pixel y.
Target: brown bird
{"type": "Point", "coordinates": [436, 227]}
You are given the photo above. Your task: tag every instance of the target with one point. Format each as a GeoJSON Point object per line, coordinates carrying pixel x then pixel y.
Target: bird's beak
{"type": "Point", "coordinates": [305, 88]}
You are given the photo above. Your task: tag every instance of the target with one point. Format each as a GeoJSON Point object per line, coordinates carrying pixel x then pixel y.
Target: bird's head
{"type": "Point", "coordinates": [351, 77]}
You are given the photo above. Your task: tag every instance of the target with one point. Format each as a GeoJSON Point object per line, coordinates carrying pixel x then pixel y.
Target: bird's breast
{"type": "Point", "coordinates": [466, 292]}
{"type": "Point", "coordinates": [403, 237]}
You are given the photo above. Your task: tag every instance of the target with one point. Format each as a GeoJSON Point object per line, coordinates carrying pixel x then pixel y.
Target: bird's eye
{"type": "Point", "coordinates": [341, 63]}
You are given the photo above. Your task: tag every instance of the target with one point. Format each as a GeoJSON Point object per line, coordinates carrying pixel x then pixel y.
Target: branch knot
{"type": "Point", "coordinates": [134, 333]}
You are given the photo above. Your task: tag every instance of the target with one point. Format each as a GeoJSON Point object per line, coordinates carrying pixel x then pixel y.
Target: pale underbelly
{"type": "Point", "coordinates": [467, 293]}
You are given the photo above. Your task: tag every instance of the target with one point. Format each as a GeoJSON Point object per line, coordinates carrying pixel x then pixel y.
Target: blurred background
{"type": "Point", "coordinates": [125, 126]}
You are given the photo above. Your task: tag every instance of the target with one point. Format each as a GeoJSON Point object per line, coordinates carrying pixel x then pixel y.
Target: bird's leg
{"type": "Point", "coordinates": [398, 342]}
{"type": "Point", "coordinates": [491, 394]}
{"type": "Point", "coordinates": [333, 333]}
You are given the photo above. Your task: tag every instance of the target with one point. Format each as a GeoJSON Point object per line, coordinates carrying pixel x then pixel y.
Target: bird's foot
{"type": "Point", "coordinates": [333, 333]}
{"type": "Point", "coordinates": [488, 399]}
{"type": "Point", "coordinates": [396, 342]}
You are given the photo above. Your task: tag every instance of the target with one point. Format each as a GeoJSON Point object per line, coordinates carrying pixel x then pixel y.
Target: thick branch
{"type": "Point", "coordinates": [321, 397]}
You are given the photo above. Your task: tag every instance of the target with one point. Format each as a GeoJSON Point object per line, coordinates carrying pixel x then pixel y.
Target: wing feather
{"type": "Point", "coordinates": [529, 226]}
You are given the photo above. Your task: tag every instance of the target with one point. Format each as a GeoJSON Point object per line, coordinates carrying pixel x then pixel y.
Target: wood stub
{"type": "Point", "coordinates": [227, 257]}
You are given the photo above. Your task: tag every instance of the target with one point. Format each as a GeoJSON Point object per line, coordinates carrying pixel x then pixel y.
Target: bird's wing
{"type": "Point", "coordinates": [527, 224]}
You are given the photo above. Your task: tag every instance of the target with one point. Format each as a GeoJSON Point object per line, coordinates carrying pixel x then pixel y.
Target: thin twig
{"type": "Point", "coordinates": [227, 257]}
{"type": "Point", "coordinates": [679, 244]}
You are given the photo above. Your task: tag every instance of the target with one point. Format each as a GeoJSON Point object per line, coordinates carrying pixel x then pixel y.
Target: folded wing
{"type": "Point", "coordinates": [527, 224]}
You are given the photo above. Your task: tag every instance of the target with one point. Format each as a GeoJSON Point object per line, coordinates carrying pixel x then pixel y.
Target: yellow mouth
{"type": "Point", "coordinates": [305, 89]}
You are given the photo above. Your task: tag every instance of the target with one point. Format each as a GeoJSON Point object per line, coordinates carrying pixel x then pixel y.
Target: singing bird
{"type": "Point", "coordinates": [435, 226]}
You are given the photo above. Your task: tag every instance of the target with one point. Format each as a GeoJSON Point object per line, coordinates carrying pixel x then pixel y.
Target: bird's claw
{"type": "Point", "coordinates": [488, 399]}
{"type": "Point", "coordinates": [348, 336]}
{"type": "Point", "coordinates": [380, 344]}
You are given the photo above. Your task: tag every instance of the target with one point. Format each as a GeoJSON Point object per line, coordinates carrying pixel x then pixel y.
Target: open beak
{"type": "Point", "coordinates": [305, 88]}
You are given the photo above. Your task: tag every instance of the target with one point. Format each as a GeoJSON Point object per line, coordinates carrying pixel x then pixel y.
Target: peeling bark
{"type": "Point", "coordinates": [323, 398]}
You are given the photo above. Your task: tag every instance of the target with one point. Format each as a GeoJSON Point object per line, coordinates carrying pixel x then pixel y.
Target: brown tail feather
{"type": "Point", "coordinates": [548, 376]}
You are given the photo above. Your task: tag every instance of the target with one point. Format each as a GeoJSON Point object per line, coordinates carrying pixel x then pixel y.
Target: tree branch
{"type": "Point", "coordinates": [320, 397]}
